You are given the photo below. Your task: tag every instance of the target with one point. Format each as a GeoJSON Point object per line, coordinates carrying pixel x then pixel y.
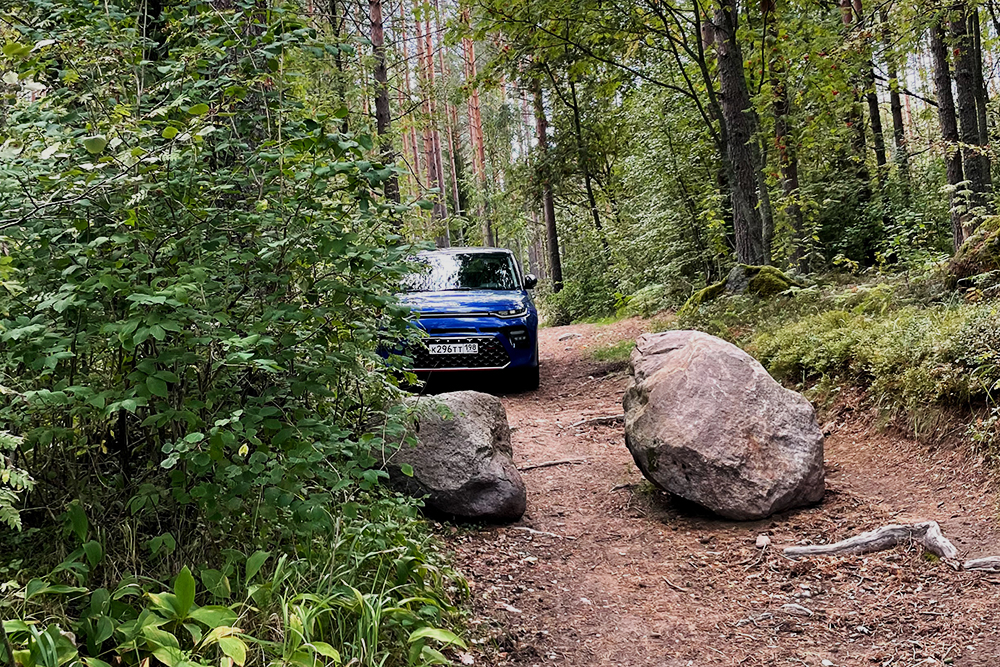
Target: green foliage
{"type": "Point", "coordinates": [13, 482]}
{"type": "Point", "coordinates": [199, 268]}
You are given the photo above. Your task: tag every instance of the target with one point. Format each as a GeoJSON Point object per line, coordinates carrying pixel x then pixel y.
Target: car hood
{"type": "Point", "coordinates": [464, 302]}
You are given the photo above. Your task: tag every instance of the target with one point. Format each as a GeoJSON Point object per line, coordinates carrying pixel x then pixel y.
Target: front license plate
{"type": "Point", "coordinates": [453, 348]}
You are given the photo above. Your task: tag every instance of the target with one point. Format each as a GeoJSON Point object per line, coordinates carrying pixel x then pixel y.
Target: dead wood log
{"type": "Point", "coordinates": [547, 464]}
{"type": "Point", "coordinates": [927, 533]}
{"type": "Point", "coordinates": [599, 421]}
{"type": "Point", "coordinates": [542, 532]}
{"type": "Point", "coordinates": [987, 564]}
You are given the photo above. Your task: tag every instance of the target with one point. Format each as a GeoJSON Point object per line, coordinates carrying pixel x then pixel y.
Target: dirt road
{"type": "Point", "coordinates": [621, 574]}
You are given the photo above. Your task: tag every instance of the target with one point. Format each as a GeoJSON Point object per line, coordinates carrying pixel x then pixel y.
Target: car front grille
{"type": "Point", "coordinates": [491, 354]}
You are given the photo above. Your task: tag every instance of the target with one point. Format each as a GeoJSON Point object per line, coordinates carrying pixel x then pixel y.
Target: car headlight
{"type": "Point", "coordinates": [513, 312]}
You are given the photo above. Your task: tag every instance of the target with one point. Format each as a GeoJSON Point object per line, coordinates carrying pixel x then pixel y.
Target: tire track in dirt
{"type": "Point", "coordinates": [640, 578]}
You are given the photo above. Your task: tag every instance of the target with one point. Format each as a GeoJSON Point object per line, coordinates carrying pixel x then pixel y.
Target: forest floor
{"type": "Point", "coordinates": [632, 576]}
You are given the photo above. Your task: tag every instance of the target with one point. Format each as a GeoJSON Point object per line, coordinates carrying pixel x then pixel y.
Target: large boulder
{"type": "Point", "coordinates": [705, 421]}
{"type": "Point", "coordinates": [462, 462]}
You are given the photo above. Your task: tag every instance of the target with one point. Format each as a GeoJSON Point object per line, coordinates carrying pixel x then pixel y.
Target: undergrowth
{"type": "Point", "coordinates": [915, 347]}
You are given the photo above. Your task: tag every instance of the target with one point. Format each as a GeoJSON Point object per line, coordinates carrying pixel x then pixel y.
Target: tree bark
{"type": "Point", "coordinates": [383, 113]}
{"type": "Point", "coordinates": [584, 159]}
{"type": "Point", "coordinates": [740, 145]}
{"type": "Point", "coordinates": [976, 163]}
{"type": "Point", "coordinates": [548, 204]}
{"type": "Point", "coordinates": [949, 127]}
{"type": "Point", "coordinates": [788, 161]}
{"type": "Point", "coordinates": [859, 145]}
{"type": "Point", "coordinates": [338, 20]}
{"type": "Point", "coordinates": [982, 96]}
{"type": "Point", "coordinates": [414, 147]}
{"type": "Point", "coordinates": [900, 153]}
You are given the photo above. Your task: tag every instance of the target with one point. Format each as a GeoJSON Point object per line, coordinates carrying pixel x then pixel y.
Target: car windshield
{"type": "Point", "coordinates": [443, 272]}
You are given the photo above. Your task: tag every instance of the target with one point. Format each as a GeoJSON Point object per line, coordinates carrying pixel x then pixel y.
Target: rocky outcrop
{"type": "Point", "coordinates": [705, 421]}
{"type": "Point", "coordinates": [461, 463]}
{"type": "Point", "coordinates": [979, 257]}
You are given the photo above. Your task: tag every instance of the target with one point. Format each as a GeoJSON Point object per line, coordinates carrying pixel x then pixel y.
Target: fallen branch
{"type": "Point", "coordinates": [600, 421]}
{"type": "Point", "coordinates": [547, 464]}
{"type": "Point", "coordinates": [675, 586]}
{"type": "Point", "coordinates": [987, 564]}
{"type": "Point", "coordinates": [928, 533]}
{"type": "Point", "coordinates": [619, 487]}
{"type": "Point", "coordinates": [542, 532]}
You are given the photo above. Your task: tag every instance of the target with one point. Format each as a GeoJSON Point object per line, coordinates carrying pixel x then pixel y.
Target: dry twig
{"type": "Point", "coordinates": [547, 464]}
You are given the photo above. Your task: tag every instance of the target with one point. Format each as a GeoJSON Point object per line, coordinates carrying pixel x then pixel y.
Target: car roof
{"type": "Point", "coordinates": [465, 250]}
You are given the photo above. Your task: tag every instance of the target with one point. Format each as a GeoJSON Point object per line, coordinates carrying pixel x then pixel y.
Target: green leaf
{"type": "Point", "coordinates": [406, 469]}
{"type": "Point", "coordinates": [198, 109]}
{"type": "Point", "coordinates": [170, 656]}
{"type": "Point", "coordinates": [78, 520]}
{"type": "Point", "coordinates": [95, 144]}
{"type": "Point", "coordinates": [325, 649]}
{"type": "Point", "coordinates": [158, 637]}
{"type": "Point", "coordinates": [184, 588]}
{"type": "Point", "coordinates": [156, 386]}
{"type": "Point", "coordinates": [94, 662]}
{"type": "Point", "coordinates": [94, 552]}
{"type": "Point", "coordinates": [213, 616]}
{"type": "Point", "coordinates": [216, 583]}
{"type": "Point", "coordinates": [234, 648]}
{"type": "Point", "coordinates": [254, 563]}
{"type": "Point", "coordinates": [438, 634]}
{"type": "Point", "coordinates": [169, 132]}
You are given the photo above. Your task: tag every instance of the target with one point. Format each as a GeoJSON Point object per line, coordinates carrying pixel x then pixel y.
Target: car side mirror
{"type": "Point", "coordinates": [530, 281]}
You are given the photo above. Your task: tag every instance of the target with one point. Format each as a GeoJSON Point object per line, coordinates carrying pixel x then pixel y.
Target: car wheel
{"type": "Point", "coordinates": [526, 379]}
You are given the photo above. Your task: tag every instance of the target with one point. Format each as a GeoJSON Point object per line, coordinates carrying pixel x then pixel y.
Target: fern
{"type": "Point", "coordinates": [13, 481]}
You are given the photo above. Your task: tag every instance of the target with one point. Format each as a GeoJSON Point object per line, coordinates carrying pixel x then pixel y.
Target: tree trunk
{"type": "Point", "coordinates": [900, 153]}
{"type": "Point", "coordinates": [855, 120]}
{"type": "Point", "coordinates": [766, 212]}
{"type": "Point", "coordinates": [788, 161]}
{"type": "Point", "coordinates": [740, 145]}
{"type": "Point", "coordinates": [548, 204]}
{"type": "Point", "coordinates": [982, 96]}
{"type": "Point", "coordinates": [414, 146]}
{"type": "Point", "coordinates": [976, 163]}
{"type": "Point", "coordinates": [584, 160]}
{"type": "Point", "coordinates": [338, 20]}
{"type": "Point", "coordinates": [383, 114]}
{"type": "Point", "coordinates": [949, 127]}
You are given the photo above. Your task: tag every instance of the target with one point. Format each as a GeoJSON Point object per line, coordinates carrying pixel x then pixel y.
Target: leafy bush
{"type": "Point", "coordinates": [198, 271]}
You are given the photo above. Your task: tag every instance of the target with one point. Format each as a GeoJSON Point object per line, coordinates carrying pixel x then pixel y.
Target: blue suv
{"type": "Point", "coordinates": [475, 307]}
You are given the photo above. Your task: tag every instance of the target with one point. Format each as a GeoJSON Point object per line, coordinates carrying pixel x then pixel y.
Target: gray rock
{"type": "Point", "coordinates": [705, 421]}
{"type": "Point", "coordinates": [462, 462]}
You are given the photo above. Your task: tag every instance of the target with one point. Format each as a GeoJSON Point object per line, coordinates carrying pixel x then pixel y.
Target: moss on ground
{"type": "Point", "coordinates": [761, 281]}
{"type": "Point", "coordinates": [768, 281]}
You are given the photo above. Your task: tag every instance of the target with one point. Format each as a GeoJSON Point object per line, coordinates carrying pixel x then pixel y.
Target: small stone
{"type": "Point", "coordinates": [569, 336]}
{"type": "Point", "coordinates": [763, 541]}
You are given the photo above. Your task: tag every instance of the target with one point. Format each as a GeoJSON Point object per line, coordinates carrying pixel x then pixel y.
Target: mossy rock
{"type": "Point", "coordinates": [769, 281]}
{"type": "Point", "coordinates": [761, 281]}
{"type": "Point", "coordinates": [701, 296]}
{"type": "Point", "coordinates": [978, 255]}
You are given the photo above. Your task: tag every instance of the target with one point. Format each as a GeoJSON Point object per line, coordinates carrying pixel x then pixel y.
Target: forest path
{"type": "Point", "coordinates": [640, 578]}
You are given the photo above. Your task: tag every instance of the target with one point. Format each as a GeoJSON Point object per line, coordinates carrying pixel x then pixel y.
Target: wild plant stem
{"type": "Point", "coordinates": [6, 645]}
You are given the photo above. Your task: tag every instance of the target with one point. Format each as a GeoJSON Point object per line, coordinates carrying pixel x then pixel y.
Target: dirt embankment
{"type": "Point", "coordinates": [624, 575]}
